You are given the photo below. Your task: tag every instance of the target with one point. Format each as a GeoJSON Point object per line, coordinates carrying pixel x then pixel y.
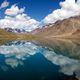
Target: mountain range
{"type": "Point", "coordinates": [67, 28]}
{"type": "Point", "coordinates": [15, 30]}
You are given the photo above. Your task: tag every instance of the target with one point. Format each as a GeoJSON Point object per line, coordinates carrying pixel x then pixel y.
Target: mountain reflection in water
{"type": "Point", "coordinates": [43, 60]}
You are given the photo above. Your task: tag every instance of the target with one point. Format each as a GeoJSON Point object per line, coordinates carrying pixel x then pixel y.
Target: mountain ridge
{"type": "Point", "coordinates": [67, 28]}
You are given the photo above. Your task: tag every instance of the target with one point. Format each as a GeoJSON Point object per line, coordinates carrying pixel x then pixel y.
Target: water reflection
{"type": "Point", "coordinates": [67, 65]}
{"type": "Point", "coordinates": [64, 55]}
{"type": "Point", "coordinates": [69, 48]}
{"type": "Point", "coordinates": [17, 51]}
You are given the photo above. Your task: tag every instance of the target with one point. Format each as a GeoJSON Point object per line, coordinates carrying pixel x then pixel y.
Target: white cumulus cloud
{"type": "Point", "coordinates": [68, 9]}
{"type": "Point", "coordinates": [4, 4]}
{"type": "Point", "coordinates": [21, 21]}
{"type": "Point", "coordinates": [14, 10]}
{"type": "Point", "coordinates": [16, 18]}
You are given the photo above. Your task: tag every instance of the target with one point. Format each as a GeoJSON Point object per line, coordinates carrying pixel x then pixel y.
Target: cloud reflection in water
{"type": "Point", "coordinates": [17, 51]}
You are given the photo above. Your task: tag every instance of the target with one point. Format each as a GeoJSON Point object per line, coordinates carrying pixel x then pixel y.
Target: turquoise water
{"type": "Point", "coordinates": [24, 60]}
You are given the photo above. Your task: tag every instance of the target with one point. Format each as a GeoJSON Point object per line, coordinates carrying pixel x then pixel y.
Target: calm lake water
{"type": "Point", "coordinates": [43, 60]}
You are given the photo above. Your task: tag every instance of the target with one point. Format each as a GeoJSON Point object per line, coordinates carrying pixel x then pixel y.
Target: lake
{"type": "Point", "coordinates": [40, 60]}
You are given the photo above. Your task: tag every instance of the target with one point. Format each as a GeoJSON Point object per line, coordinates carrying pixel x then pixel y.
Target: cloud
{"type": "Point", "coordinates": [14, 10]}
{"type": "Point", "coordinates": [16, 18]}
{"type": "Point", "coordinates": [68, 9]}
{"type": "Point", "coordinates": [21, 21]}
{"type": "Point", "coordinates": [4, 4]}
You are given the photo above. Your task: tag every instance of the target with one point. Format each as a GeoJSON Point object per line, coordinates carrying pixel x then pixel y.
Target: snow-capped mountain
{"type": "Point", "coordinates": [15, 30]}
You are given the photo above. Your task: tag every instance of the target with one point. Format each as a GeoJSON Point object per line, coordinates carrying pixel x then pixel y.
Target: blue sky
{"type": "Point", "coordinates": [36, 9]}
{"type": "Point", "coordinates": [32, 14]}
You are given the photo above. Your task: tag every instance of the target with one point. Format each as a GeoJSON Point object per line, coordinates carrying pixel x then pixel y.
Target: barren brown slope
{"type": "Point", "coordinates": [8, 36]}
{"type": "Point", "coordinates": [68, 28]}
{"type": "Point", "coordinates": [5, 34]}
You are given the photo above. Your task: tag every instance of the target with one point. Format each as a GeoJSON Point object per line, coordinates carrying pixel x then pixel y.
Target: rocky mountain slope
{"type": "Point", "coordinates": [68, 28]}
